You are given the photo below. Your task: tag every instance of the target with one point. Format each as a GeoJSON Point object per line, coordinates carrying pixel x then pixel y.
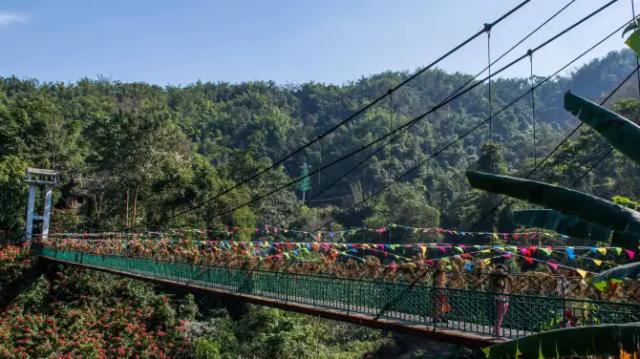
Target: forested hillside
{"type": "Point", "coordinates": [140, 152]}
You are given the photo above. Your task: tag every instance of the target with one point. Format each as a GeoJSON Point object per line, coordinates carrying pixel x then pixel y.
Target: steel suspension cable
{"type": "Point", "coordinates": [489, 86]}
{"type": "Point", "coordinates": [504, 108]}
{"type": "Point", "coordinates": [610, 151]}
{"type": "Point", "coordinates": [319, 137]}
{"type": "Point", "coordinates": [420, 117]}
{"type": "Point", "coordinates": [492, 169]}
{"type": "Point", "coordinates": [533, 111]}
{"type": "Point", "coordinates": [460, 88]}
{"type": "Point", "coordinates": [557, 147]}
{"type": "Point", "coordinates": [426, 269]}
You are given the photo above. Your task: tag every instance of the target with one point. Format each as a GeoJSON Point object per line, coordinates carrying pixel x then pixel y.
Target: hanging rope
{"type": "Point", "coordinates": [487, 29]}
{"type": "Point", "coordinates": [319, 178]}
{"type": "Point", "coordinates": [391, 112]}
{"type": "Point", "coordinates": [387, 214]}
{"type": "Point", "coordinates": [491, 148]}
{"type": "Point", "coordinates": [533, 109]}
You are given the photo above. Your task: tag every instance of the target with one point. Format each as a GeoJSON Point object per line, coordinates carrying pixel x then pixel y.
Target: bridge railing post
{"type": "Point", "coordinates": [347, 298]}
{"type": "Point", "coordinates": [564, 306]}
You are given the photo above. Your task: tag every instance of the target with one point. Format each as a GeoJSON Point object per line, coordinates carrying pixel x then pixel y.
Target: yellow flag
{"type": "Point", "coordinates": [424, 250]}
{"type": "Point", "coordinates": [602, 251]}
{"type": "Point", "coordinates": [597, 262]}
{"type": "Point", "coordinates": [582, 272]}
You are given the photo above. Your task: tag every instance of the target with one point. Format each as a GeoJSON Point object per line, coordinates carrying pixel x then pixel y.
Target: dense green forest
{"type": "Point", "coordinates": [137, 154]}
{"type": "Point", "coordinates": [143, 152]}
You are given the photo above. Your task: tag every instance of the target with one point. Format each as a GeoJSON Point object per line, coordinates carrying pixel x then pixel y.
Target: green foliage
{"type": "Point", "coordinates": [206, 349]}
{"type": "Point", "coordinates": [13, 196]}
{"type": "Point", "coordinates": [603, 340]}
{"type": "Point", "coordinates": [406, 204]}
{"type": "Point", "coordinates": [146, 152]}
{"type": "Point", "coordinates": [621, 133]}
{"type": "Point", "coordinates": [564, 200]}
{"type": "Point", "coordinates": [627, 202]}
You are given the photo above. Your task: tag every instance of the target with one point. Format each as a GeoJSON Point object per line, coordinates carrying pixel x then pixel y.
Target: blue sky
{"type": "Point", "coordinates": [288, 41]}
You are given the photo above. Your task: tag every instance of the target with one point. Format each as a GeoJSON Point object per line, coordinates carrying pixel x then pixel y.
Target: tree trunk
{"type": "Point", "coordinates": [134, 216]}
{"type": "Point", "coordinates": [126, 209]}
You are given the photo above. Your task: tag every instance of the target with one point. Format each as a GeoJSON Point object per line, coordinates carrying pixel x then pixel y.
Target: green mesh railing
{"type": "Point", "coordinates": [471, 311]}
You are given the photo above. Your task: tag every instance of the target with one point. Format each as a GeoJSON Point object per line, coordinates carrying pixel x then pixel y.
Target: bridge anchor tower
{"type": "Point", "coordinates": [47, 179]}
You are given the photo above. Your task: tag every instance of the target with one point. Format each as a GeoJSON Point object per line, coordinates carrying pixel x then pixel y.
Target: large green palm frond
{"type": "Point", "coordinates": [567, 201]}
{"type": "Point", "coordinates": [571, 226]}
{"type": "Point", "coordinates": [620, 132]}
{"type": "Point", "coordinates": [625, 271]}
{"type": "Point", "coordinates": [611, 339]}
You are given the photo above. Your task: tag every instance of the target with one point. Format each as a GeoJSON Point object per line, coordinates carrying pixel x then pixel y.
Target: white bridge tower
{"type": "Point", "coordinates": [47, 179]}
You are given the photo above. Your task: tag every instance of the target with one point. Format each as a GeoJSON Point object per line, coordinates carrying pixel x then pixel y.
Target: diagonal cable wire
{"type": "Point", "coordinates": [555, 149]}
{"type": "Point", "coordinates": [425, 270]}
{"type": "Point", "coordinates": [298, 150]}
{"type": "Point", "coordinates": [504, 108]}
{"type": "Point", "coordinates": [460, 88]}
{"type": "Point", "coordinates": [420, 117]}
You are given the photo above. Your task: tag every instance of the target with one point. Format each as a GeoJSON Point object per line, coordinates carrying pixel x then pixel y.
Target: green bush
{"type": "Point", "coordinates": [205, 348]}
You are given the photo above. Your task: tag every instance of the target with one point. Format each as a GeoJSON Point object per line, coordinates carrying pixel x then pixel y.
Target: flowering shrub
{"type": "Point", "coordinates": [119, 332]}
{"type": "Point", "coordinates": [86, 314]}
{"type": "Point", "coordinates": [13, 260]}
{"type": "Point", "coordinates": [90, 315]}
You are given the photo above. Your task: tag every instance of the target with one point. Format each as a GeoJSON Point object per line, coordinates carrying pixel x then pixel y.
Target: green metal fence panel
{"type": "Point", "coordinates": [471, 311]}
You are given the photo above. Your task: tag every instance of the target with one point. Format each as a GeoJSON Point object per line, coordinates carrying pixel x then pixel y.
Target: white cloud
{"type": "Point", "coordinates": [8, 18]}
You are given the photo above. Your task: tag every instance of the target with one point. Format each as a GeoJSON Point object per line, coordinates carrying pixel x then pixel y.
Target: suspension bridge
{"type": "Point", "coordinates": [366, 302]}
{"type": "Point", "coordinates": [473, 317]}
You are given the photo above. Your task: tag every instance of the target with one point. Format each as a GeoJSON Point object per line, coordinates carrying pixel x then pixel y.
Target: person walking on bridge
{"type": "Point", "coordinates": [440, 302]}
{"type": "Point", "coordinates": [500, 287]}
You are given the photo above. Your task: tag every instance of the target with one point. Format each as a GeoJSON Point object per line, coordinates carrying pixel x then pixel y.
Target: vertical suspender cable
{"type": "Point", "coordinates": [533, 115]}
{"type": "Point", "coordinates": [319, 170]}
{"type": "Point", "coordinates": [533, 110]}
{"type": "Point", "coordinates": [487, 28]}
{"type": "Point", "coordinates": [389, 153]}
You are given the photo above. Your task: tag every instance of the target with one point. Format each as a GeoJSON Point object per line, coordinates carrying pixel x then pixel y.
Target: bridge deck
{"type": "Point", "coordinates": [359, 301]}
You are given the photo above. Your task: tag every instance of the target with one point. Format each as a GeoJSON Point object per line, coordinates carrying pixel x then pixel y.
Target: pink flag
{"type": "Point", "coordinates": [630, 253]}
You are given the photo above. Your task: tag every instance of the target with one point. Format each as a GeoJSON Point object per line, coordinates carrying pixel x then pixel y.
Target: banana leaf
{"type": "Point", "coordinates": [625, 271]}
{"type": "Point", "coordinates": [571, 226]}
{"type": "Point", "coordinates": [621, 133]}
{"type": "Point", "coordinates": [611, 339]}
{"type": "Point", "coordinates": [633, 41]}
{"type": "Point", "coordinates": [567, 201]}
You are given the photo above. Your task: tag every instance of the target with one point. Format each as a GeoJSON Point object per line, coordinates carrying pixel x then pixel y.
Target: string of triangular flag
{"type": "Point", "coordinates": [269, 230]}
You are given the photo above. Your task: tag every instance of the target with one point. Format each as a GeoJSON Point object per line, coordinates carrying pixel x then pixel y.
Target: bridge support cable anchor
{"type": "Point", "coordinates": [48, 179]}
